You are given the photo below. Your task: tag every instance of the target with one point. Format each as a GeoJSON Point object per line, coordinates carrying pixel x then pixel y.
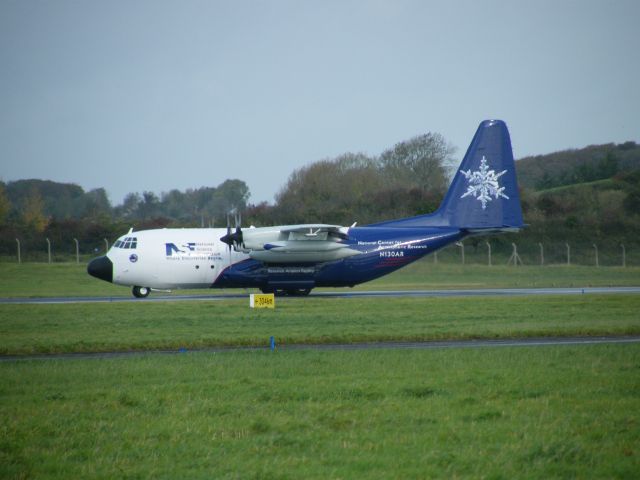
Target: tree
{"type": "Point", "coordinates": [129, 207]}
{"type": "Point", "coordinates": [33, 212]}
{"type": "Point", "coordinates": [228, 195]}
{"type": "Point", "coordinates": [174, 205]}
{"type": "Point", "coordinates": [419, 162]}
{"type": "Point", "coordinates": [608, 166]}
{"type": "Point", "coordinates": [5, 205]}
{"type": "Point", "coordinates": [95, 203]}
{"type": "Point", "coordinates": [545, 182]}
{"type": "Point", "coordinates": [632, 202]}
{"type": "Point", "coordinates": [407, 179]}
{"type": "Point", "coordinates": [149, 207]}
{"type": "Point", "coordinates": [331, 191]}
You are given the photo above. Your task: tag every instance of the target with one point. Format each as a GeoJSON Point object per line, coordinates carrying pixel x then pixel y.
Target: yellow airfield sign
{"type": "Point", "coordinates": [262, 300]}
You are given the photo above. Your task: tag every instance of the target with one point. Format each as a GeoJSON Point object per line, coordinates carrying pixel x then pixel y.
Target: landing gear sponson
{"type": "Point", "coordinates": [290, 292]}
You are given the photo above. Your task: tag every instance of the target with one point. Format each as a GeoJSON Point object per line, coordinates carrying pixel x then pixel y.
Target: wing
{"type": "Point", "coordinates": [315, 231]}
{"type": "Point", "coordinates": [309, 243]}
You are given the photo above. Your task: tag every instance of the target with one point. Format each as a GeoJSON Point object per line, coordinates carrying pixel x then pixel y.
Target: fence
{"type": "Point", "coordinates": [470, 251]}
{"type": "Point", "coordinates": [540, 253]}
{"type": "Point", "coordinates": [32, 251]}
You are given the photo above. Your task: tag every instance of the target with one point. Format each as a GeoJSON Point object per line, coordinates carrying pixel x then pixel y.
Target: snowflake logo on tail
{"type": "Point", "coordinates": [483, 184]}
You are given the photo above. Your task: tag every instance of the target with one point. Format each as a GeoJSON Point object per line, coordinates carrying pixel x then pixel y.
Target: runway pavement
{"type": "Point", "coordinates": [510, 342]}
{"type": "Point", "coordinates": [337, 294]}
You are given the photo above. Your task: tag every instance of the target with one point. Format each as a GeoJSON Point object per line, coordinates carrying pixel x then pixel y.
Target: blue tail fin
{"type": "Point", "coordinates": [484, 192]}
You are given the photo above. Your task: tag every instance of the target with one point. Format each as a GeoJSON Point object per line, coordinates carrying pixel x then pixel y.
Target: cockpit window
{"type": "Point", "coordinates": [127, 242]}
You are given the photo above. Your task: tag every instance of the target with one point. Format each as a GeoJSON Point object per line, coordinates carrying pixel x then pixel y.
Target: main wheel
{"type": "Point", "coordinates": [298, 292]}
{"type": "Point", "coordinates": [140, 292]}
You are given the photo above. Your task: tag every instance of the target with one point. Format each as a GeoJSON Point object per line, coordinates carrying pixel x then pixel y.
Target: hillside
{"type": "Point", "coordinates": [595, 162]}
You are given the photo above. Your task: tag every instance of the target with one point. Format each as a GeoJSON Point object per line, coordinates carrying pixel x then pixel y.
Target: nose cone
{"type": "Point", "coordinates": [101, 268]}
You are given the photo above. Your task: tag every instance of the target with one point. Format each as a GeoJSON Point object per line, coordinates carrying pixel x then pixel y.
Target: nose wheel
{"type": "Point", "coordinates": [140, 292]}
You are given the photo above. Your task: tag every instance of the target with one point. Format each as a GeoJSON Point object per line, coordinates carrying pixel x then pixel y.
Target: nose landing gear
{"type": "Point", "coordinates": [140, 292]}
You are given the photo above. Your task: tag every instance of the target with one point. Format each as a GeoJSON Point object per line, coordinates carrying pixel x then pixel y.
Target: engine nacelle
{"type": "Point", "coordinates": [302, 252]}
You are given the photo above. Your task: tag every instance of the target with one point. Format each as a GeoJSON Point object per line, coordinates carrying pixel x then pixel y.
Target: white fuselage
{"type": "Point", "coordinates": [172, 258]}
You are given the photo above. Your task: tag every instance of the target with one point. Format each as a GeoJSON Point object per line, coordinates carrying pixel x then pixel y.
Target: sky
{"type": "Point", "coordinates": [153, 95]}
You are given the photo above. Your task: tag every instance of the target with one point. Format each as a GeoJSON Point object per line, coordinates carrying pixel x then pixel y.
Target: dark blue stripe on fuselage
{"type": "Point", "coordinates": [384, 250]}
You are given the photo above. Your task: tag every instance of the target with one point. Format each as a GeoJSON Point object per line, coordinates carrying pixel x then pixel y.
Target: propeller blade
{"type": "Point", "coordinates": [233, 238]}
{"type": "Point", "coordinates": [237, 236]}
{"type": "Point", "coordinates": [230, 238]}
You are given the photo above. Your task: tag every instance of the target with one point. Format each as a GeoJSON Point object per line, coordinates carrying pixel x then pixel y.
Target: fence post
{"type": "Point", "coordinates": [435, 257]}
{"type": "Point", "coordinates": [624, 256]}
{"type": "Point", "coordinates": [19, 257]}
{"type": "Point", "coordinates": [568, 253]}
{"type": "Point", "coordinates": [541, 254]}
{"type": "Point", "coordinates": [461, 245]}
{"type": "Point", "coordinates": [77, 250]}
{"type": "Point", "coordinates": [595, 247]}
{"type": "Point", "coordinates": [106, 245]}
{"type": "Point", "coordinates": [48, 249]}
{"type": "Point", "coordinates": [515, 258]}
{"type": "Point", "coordinates": [489, 251]}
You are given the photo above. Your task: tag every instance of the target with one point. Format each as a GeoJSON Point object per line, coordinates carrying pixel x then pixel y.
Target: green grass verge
{"type": "Point", "coordinates": [172, 325]}
{"type": "Point", "coordinates": [425, 275]}
{"type": "Point", "coordinates": [604, 184]}
{"type": "Point", "coordinates": [69, 279]}
{"type": "Point", "coordinates": [552, 412]}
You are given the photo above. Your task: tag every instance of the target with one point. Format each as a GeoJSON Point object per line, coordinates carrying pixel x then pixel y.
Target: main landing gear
{"type": "Point", "coordinates": [289, 292]}
{"type": "Point", "coordinates": [141, 292]}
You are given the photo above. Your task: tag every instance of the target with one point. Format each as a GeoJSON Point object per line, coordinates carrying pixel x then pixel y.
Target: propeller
{"type": "Point", "coordinates": [228, 238]}
{"type": "Point", "coordinates": [233, 239]}
{"type": "Point", "coordinates": [238, 238]}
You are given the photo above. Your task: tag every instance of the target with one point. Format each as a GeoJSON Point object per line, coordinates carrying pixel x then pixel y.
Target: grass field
{"type": "Point", "coordinates": [546, 412]}
{"type": "Point", "coordinates": [552, 412]}
{"type": "Point", "coordinates": [69, 279]}
{"type": "Point", "coordinates": [175, 325]}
